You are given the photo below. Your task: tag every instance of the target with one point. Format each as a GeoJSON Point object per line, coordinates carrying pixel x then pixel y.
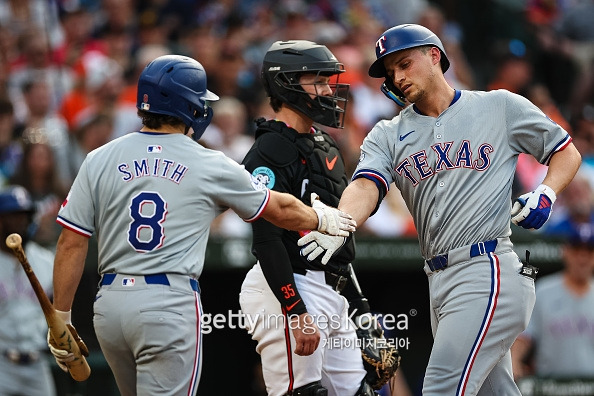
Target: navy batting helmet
{"type": "Point", "coordinates": [399, 38]}
{"type": "Point", "coordinates": [176, 85]}
{"type": "Point", "coordinates": [15, 199]}
{"type": "Point", "coordinates": [285, 61]}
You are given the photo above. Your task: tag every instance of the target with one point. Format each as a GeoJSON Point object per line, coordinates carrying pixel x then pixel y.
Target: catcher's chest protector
{"type": "Point", "coordinates": [320, 153]}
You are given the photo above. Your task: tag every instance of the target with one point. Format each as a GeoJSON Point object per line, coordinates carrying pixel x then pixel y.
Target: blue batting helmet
{"type": "Point", "coordinates": [176, 85]}
{"type": "Point", "coordinates": [15, 199]}
{"type": "Point", "coordinates": [404, 37]}
{"type": "Point", "coordinates": [399, 38]}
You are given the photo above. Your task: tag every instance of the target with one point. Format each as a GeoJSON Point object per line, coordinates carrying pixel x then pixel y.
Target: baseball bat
{"type": "Point", "coordinates": [78, 368]}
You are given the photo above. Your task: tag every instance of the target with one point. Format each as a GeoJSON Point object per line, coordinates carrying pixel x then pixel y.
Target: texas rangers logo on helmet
{"type": "Point", "coordinates": [379, 44]}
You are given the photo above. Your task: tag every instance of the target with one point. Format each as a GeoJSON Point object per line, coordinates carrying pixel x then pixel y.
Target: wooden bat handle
{"type": "Point", "coordinates": [79, 368]}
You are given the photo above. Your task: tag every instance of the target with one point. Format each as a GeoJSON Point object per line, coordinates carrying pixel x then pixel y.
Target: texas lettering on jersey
{"type": "Point", "coordinates": [416, 166]}
{"type": "Point", "coordinates": [156, 167]}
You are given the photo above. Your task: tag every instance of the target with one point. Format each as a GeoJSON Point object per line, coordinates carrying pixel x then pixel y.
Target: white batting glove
{"type": "Point", "coordinates": [331, 220]}
{"type": "Point", "coordinates": [62, 356]}
{"type": "Point", "coordinates": [533, 209]}
{"type": "Point", "coordinates": [315, 243]}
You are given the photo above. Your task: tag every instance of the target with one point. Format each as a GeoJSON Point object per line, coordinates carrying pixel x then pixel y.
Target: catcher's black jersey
{"type": "Point", "coordinates": [287, 161]}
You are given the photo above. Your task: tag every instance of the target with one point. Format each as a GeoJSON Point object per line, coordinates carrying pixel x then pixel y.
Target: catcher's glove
{"type": "Point", "coordinates": [380, 358]}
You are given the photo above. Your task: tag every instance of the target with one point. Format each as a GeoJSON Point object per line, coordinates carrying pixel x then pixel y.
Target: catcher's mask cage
{"type": "Point", "coordinates": [176, 85]}
{"type": "Point", "coordinates": [286, 61]}
{"type": "Point", "coordinates": [399, 38]}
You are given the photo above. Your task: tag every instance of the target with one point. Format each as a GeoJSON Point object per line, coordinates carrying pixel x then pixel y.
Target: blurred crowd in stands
{"type": "Point", "coordinates": [68, 71]}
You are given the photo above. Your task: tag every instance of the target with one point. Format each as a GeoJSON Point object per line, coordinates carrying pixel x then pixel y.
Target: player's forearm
{"type": "Point", "coordinates": [276, 265]}
{"type": "Point", "coordinates": [562, 168]}
{"type": "Point", "coordinates": [359, 199]}
{"type": "Point", "coordinates": [286, 211]}
{"type": "Point", "coordinates": [69, 263]}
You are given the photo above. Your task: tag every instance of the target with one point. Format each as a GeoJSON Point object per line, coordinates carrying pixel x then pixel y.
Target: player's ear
{"type": "Point", "coordinates": [435, 56]}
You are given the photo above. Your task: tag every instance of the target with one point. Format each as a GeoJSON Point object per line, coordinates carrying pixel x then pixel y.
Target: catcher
{"type": "Point", "coordinates": [291, 155]}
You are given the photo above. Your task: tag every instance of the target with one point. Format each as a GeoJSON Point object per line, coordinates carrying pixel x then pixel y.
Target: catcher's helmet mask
{"type": "Point", "coordinates": [286, 61]}
{"type": "Point", "coordinates": [399, 38]}
{"type": "Point", "coordinates": [176, 85]}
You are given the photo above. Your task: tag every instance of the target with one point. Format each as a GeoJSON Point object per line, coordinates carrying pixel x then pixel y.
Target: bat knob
{"type": "Point", "coordinates": [13, 241]}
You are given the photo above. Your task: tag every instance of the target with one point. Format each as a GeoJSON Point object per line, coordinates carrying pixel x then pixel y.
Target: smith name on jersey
{"type": "Point", "coordinates": [155, 167]}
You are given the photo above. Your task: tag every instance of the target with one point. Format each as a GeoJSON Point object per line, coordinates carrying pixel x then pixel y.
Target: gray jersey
{"type": "Point", "coordinates": [151, 198]}
{"type": "Point", "coordinates": [562, 327]}
{"type": "Point", "coordinates": [22, 324]}
{"type": "Point", "coordinates": [440, 164]}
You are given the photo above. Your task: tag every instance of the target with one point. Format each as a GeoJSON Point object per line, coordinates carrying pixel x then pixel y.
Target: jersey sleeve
{"type": "Point", "coordinates": [375, 161]}
{"type": "Point", "coordinates": [77, 211]}
{"type": "Point", "coordinates": [531, 131]}
{"type": "Point", "coordinates": [237, 190]}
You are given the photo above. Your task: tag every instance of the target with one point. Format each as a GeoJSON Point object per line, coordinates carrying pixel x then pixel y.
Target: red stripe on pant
{"type": "Point", "coordinates": [288, 351]}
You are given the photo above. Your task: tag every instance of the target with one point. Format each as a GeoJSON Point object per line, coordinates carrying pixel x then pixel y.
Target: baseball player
{"type": "Point", "coordinates": [24, 369]}
{"type": "Point", "coordinates": [291, 155]}
{"type": "Point", "coordinates": [559, 338]}
{"type": "Point", "coordinates": [452, 154]}
{"type": "Point", "coordinates": [150, 197]}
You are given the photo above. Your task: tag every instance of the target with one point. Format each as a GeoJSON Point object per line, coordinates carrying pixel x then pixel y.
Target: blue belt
{"type": "Point", "coordinates": [478, 249]}
{"type": "Point", "coordinates": [156, 279]}
{"type": "Point", "coordinates": [18, 357]}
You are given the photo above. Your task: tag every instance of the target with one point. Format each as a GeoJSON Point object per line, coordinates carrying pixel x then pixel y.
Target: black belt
{"type": "Point", "coordinates": [336, 282]}
{"type": "Point", "coordinates": [478, 249]}
{"type": "Point", "coordinates": [19, 357]}
{"type": "Point", "coordinates": [155, 279]}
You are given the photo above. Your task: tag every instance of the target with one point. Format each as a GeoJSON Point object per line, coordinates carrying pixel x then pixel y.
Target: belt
{"type": "Point", "coordinates": [19, 357]}
{"type": "Point", "coordinates": [478, 249]}
{"type": "Point", "coordinates": [336, 282]}
{"type": "Point", "coordinates": [155, 279]}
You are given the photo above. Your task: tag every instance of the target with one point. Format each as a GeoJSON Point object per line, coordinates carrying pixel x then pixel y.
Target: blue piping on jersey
{"type": "Point", "coordinates": [375, 177]}
{"type": "Point", "coordinates": [457, 94]}
{"type": "Point", "coordinates": [559, 147]}
{"type": "Point", "coordinates": [154, 133]}
{"type": "Point", "coordinates": [260, 209]}
{"type": "Point", "coordinates": [73, 227]}
{"type": "Point", "coordinates": [198, 356]}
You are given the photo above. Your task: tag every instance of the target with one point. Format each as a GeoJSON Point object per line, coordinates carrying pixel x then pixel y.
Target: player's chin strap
{"type": "Point", "coordinates": [389, 89]}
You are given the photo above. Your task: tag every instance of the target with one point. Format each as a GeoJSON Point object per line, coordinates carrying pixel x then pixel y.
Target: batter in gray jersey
{"type": "Point", "coordinates": [151, 209]}
{"type": "Point", "coordinates": [453, 155]}
{"type": "Point", "coordinates": [157, 195]}
{"type": "Point", "coordinates": [440, 165]}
